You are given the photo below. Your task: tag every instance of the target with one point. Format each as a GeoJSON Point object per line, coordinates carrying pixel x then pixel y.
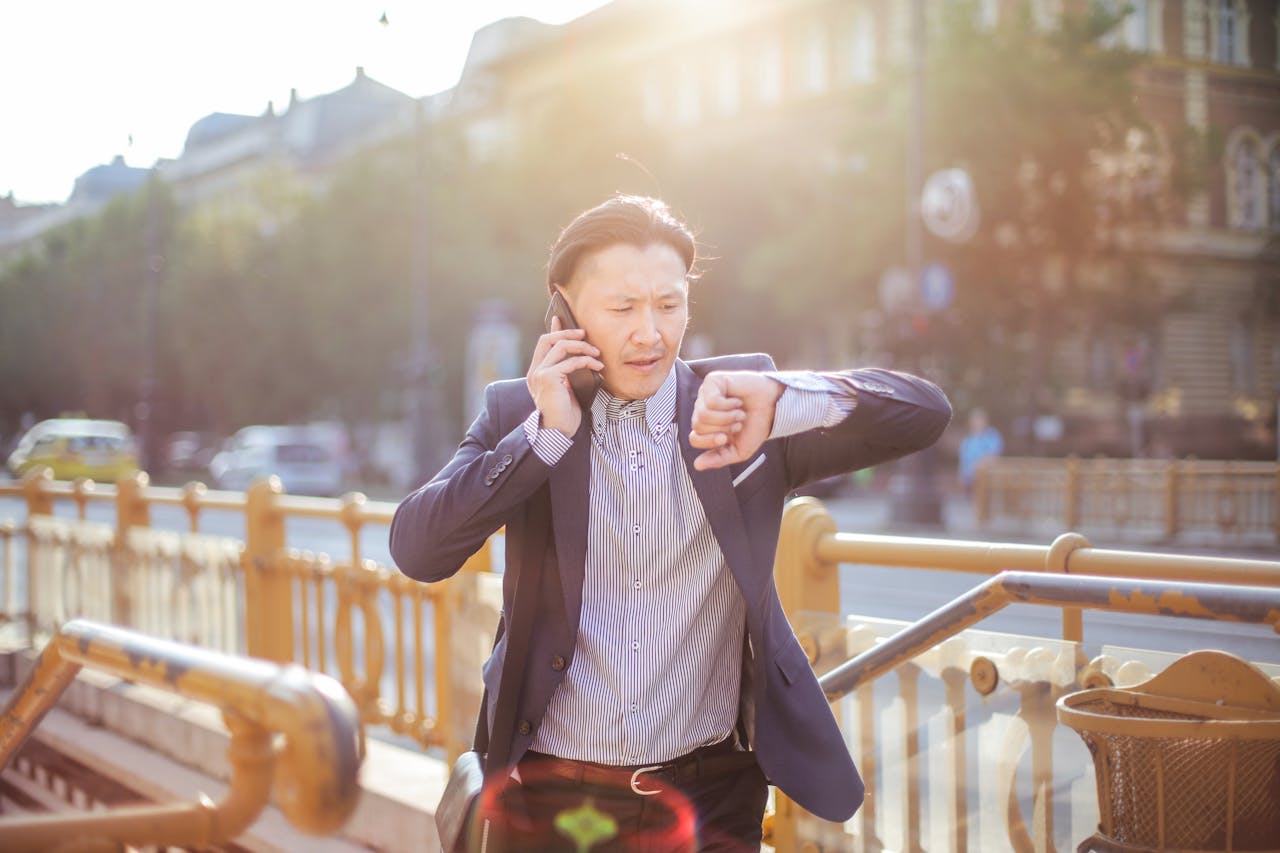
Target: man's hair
{"type": "Point", "coordinates": [630, 220]}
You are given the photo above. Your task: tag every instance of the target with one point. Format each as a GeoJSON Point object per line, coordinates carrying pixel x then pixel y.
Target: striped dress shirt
{"type": "Point", "coordinates": [657, 667]}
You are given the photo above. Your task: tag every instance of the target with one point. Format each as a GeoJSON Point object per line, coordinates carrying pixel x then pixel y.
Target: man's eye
{"type": "Point", "coordinates": [671, 306]}
{"type": "Point", "coordinates": [621, 310]}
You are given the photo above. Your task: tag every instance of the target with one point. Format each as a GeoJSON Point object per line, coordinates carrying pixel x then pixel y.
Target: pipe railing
{"type": "Point", "coordinates": [313, 777]}
{"type": "Point", "coordinates": [1251, 604]}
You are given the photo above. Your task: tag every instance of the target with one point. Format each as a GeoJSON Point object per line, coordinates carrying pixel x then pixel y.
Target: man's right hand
{"type": "Point", "coordinates": [559, 353]}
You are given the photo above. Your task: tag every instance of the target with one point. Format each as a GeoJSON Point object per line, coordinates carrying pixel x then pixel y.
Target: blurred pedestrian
{"type": "Point", "coordinates": [983, 440]}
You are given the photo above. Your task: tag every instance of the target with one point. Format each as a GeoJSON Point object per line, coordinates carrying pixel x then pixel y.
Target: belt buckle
{"type": "Point", "coordinates": [635, 781]}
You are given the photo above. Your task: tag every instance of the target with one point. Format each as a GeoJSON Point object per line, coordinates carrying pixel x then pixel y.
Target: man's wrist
{"type": "Point", "coordinates": [549, 444]}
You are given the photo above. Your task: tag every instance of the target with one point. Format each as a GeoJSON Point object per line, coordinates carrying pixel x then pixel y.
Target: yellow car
{"type": "Point", "coordinates": [77, 447]}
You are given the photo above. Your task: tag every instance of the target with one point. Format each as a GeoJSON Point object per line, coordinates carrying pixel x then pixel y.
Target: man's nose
{"type": "Point", "coordinates": [646, 331]}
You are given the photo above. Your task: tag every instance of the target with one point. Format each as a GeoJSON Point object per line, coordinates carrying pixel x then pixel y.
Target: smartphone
{"type": "Point", "coordinates": [583, 381]}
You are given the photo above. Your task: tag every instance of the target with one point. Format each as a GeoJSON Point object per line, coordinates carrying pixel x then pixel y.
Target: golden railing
{"type": "Point", "coordinates": [393, 643]}
{"type": "Point", "coordinates": [407, 652]}
{"type": "Point", "coordinates": [313, 777]}
{"type": "Point", "coordinates": [1163, 497]}
{"type": "Point", "coordinates": [949, 768]}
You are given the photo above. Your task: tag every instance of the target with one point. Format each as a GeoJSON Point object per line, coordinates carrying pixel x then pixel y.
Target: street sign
{"type": "Point", "coordinates": [937, 287]}
{"type": "Point", "coordinates": [949, 206]}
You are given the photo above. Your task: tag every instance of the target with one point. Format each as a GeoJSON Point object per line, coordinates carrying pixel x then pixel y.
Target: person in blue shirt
{"type": "Point", "coordinates": [982, 441]}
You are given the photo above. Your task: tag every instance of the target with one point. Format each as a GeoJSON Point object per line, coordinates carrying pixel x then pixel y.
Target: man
{"type": "Point", "coordinates": [663, 684]}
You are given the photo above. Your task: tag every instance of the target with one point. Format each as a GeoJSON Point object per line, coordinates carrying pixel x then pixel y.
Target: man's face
{"type": "Point", "coordinates": [634, 305]}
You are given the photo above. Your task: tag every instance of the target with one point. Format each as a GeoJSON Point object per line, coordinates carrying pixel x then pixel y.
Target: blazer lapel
{"type": "Point", "coordinates": [715, 490]}
{"type": "Point", "coordinates": [570, 504]}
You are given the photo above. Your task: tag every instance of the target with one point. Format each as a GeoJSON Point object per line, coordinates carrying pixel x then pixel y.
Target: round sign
{"type": "Point", "coordinates": [948, 205]}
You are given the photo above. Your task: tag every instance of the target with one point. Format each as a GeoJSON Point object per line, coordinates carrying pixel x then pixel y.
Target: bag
{"type": "Point", "coordinates": [457, 807]}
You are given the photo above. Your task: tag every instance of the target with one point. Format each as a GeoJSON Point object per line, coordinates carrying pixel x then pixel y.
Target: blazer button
{"type": "Point", "coordinates": [506, 460]}
{"type": "Point", "coordinates": [525, 727]}
{"type": "Point", "coordinates": [557, 663]}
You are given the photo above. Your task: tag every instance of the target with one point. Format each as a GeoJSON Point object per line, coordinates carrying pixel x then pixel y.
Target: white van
{"type": "Point", "coordinates": [300, 456]}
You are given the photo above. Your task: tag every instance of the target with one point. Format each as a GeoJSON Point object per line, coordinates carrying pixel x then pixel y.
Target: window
{"type": "Point", "coordinates": [1273, 186]}
{"type": "Point", "coordinates": [1229, 31]}
{"type": "Point", "coordinates": [728, 74]}
{"type": "Point", "coordinates": [1137, 26]}
{"type": "Point", "coordinates": [861, 63]}
{"type": "Point", "coordinates": [1246, 183]}
{"type": "Point", "coordinates": [1224, 44]}
{"type": "Point", "coordinates": [1244, 372]}
{"type": "Point", "coordinates": [769, 71]}
{"type": "Point", "coordinates": [814, 56]}
{"type": "Point", "coordinates": [688, 98]}
{"type": "Point", "coordinates": [651, 98]}
{"type": "Point", "coordinates": [1045, 13]}
{"type": "Point", "coordinates": [988, 14]}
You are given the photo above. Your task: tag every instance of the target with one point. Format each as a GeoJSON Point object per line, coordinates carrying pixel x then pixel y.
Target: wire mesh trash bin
{"type": "Point", "coordinates": [1188, 760]}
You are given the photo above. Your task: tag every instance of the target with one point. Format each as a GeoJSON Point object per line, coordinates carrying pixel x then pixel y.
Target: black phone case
{"type": "Point", "coordinates": [582, 382]}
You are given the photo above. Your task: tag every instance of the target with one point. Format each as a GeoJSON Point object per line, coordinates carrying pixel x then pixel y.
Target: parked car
{"type": "Point", "coordinates": [76, 447]}
{"type": "Point", "coordinates": [189, 451]}
{"type": "Point", "coordinates": [295, 454]}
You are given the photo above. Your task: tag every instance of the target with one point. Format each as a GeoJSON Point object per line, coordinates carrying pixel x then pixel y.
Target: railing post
{"type": "Point", "coordinates": [806, 584]}
{"type": "Point", "coordinates": [1171, 500]}
{"type": "Point", "coordinates": [132, 510]}
{"type": "Point", "coordinates": [268, 602]}
{"type": "Point", "coordinates": [34, 487]}
{"type": "Point", "coordinates": [1275, 501]}
{"type": "Point", "coordinates": [39, 502]}
{"type": "Point", "coordinates": [1073, 496]}
{"type": "Point", "coordinates": [982, 491]}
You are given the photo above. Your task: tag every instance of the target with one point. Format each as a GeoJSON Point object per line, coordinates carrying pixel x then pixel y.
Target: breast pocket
{"type": "Point", "coordinates": [748, 479]}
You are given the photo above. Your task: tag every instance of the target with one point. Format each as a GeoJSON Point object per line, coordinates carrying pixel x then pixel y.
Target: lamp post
{"type": "Point", "coordinates": [425, 420]}
{"type": "Point", "coordinates": [914, 495]}
{"type": "Point", "coordinates": [153, 269]}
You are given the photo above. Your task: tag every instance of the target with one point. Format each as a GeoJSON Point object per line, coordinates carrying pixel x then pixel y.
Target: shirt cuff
{"type": "Point", "coordinates": [549, 445]}
{"type": "Point", "coordinates": [808, 402]}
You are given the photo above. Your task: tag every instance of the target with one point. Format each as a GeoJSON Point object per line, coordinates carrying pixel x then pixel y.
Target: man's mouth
{"type": "Point", "coordinates": [645, 363]}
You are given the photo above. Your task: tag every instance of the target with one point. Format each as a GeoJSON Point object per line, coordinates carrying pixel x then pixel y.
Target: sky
{"type": "Point", "coordinates": [84, 80]}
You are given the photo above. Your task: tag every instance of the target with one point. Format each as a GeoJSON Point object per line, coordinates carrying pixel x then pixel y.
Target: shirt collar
{"type": "Point", "coordinates": [658, 410]}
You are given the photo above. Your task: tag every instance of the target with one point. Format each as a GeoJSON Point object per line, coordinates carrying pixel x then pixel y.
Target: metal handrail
{"type": "Point", "coordinates": [956, 555]}
{"type": "Point", "coordinates": [1164, 598]}
{"type": "Point", "coordinates": [315, 774]}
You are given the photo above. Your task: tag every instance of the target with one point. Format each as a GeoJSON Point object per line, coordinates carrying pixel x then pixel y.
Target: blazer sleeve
{"type": "Point", "coordinates": [896, 414]}
{"type": "Point", "coordinates": [440, 525]}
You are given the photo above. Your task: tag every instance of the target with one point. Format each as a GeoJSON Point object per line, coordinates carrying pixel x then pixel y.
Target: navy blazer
{"type": "Point", "coordinates": [495, 475]}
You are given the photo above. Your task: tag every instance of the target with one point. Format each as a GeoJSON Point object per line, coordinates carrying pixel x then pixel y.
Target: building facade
{"type": "Point", "coordinates": [1205, 379]}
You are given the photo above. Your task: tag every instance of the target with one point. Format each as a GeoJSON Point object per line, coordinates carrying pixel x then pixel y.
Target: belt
{"type": "Point", "coordinates": [703, 762]}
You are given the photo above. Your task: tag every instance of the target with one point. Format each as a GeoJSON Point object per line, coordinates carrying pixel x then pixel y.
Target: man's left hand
{"type": "Point", "coordinates": [732, 416]}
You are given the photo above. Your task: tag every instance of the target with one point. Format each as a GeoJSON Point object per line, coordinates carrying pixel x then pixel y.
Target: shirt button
{"type": "Point", "coordinates": [635, 707]}
{"type": "Point", "coordinates": [636, 530]}
{"type": "Point", "coordinates": [525, 727]}
{"type": "Point", "coordinates": [557, 663]}
{"type": "Point", "coordinates": [637, 584]}
{"type": "Point", "coordinates": [635, 645]}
